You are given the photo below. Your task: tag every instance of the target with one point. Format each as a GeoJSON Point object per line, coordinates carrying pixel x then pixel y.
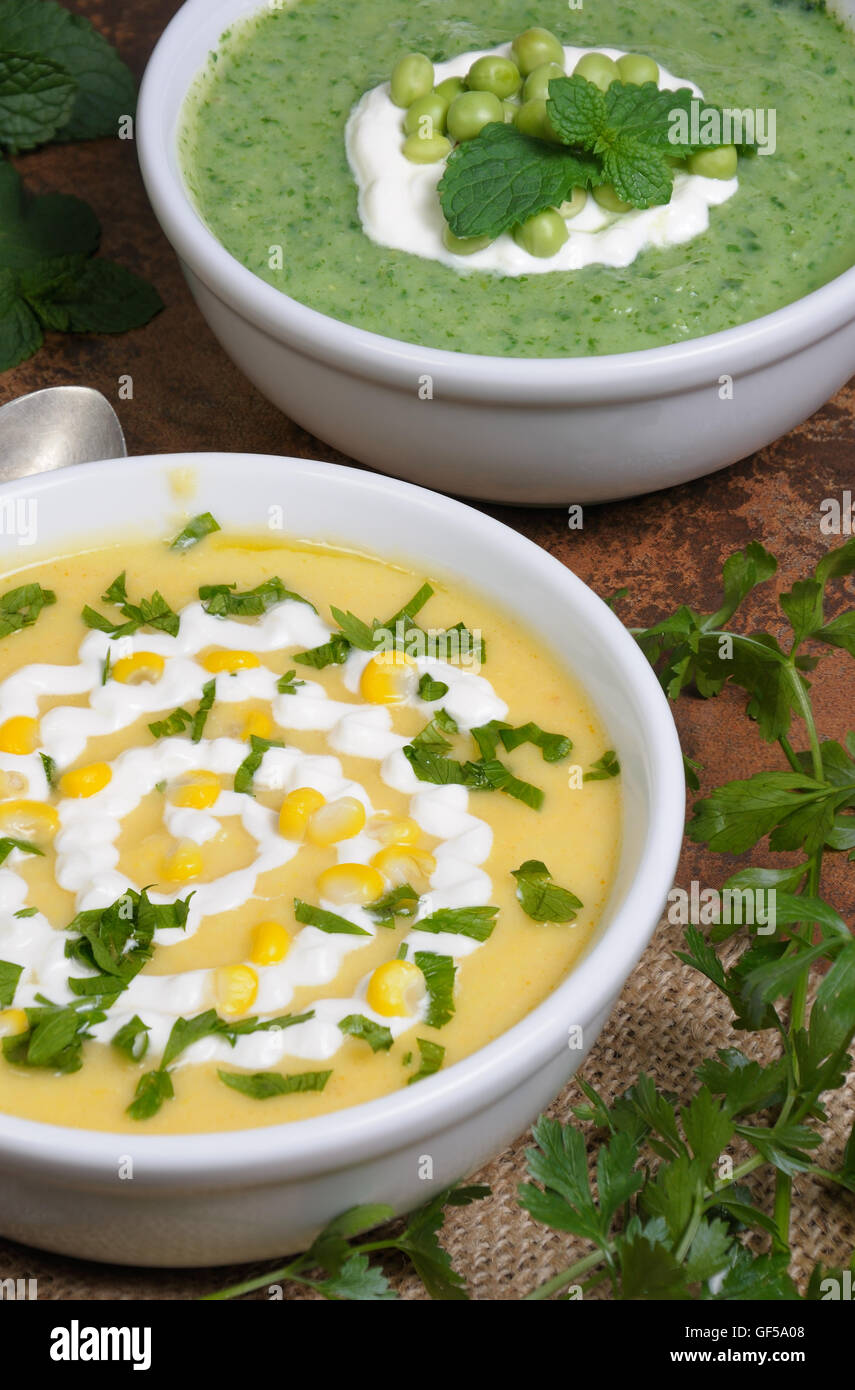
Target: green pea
{"type": "Point", "coordinates": [450, 87]}
{"type": "Point", "coordinates": [412, 77]}
{"type": "Point", "coordinates": [597, 68]}
{"type": "Point", "coordinates": [537, 82]}
{"type": "Point", "coordinates": [463, 245]}
{"type": "Point", "coordinates": [494, 74]}
{"type": "Point", "coordinates": [426, 116]}
{"type": "Point", "coordinates": [470, 112]}
{"type": "Point", "coordinates": [542, 235]}
{"type": "Point", "coordinates": [531, 119]}
{"type": "Point", "coordinates": [535, 47]}
{"type": "Point", "coordinates": [572, 206]}
{"type": "Point", "coordinates": [634, 68]}
{"type": "Point", "coordinates": [608, 199]}
{"type": "Point", "coordinates": [714, 164]}
{"type": "Point", "coordinates": [426, 151]}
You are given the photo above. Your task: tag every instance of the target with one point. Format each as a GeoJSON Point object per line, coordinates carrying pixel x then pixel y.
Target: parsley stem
{"type": "Point", "coordinates": [568, 1276]}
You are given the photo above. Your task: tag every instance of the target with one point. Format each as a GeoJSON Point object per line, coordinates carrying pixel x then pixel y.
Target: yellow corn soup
{"type": "Point", "coordinates": [295, 891]}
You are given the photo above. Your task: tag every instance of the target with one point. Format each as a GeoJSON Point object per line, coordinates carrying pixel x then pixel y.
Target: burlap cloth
{"type": "Point", "coordinates": [668, 1019]}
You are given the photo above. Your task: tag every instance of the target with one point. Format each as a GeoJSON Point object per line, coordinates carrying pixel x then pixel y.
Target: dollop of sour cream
{"type": "Point", "coordinates": [87, 856]}
{"type": "Point", "coordinates": [399, 205]}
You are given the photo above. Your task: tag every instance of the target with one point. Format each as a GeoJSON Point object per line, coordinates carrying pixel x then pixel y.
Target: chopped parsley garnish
{"type": "Point", "coordinates": [402, 901]}
{"type": "Point", "coordinates": [252, 762]}
{"type": "Point", "coordinates": [430, 689]}
{"type": "Point", "coordinates": [117, 941]}
{"type": "Point", "coordinates": [181, 719]}
{"type": "Point", "coordinates": [331, 653]}
{"type": "Point", "coordinates": [196, 530]}
{"type": "Point", "coordinates": [10, 974]}
{"type": "Point", "coordinates": [20, 608]}
{"type": "Point", "coordinates": [309, 916]}
{"type": "Point", "coordinates": [25, 912]}
{"type": "Point", "coordinates": [475, 922]}
{"type": "Point", "coordinates": [287, 684]}
{"type": "Point", "coordinates": [378, 1037]}
{"type": "Point", "coordinates": [50, 768]}
{"type": "Point", "coordinates": [432, 736]}
{"type": "Point", "coordinates": [132, 1039]}
{"type": "Point", "coordinates": [439, 972]}
{"type": "Point", "coordinates": [54, 1037]}
{"type": "Point", "coordinates": [605, 767]}
{"type": "Point", "coordinates": [8, 843]}
{"type": "Point", "coordinates": [540, 898]}
{"type": "Point", "coordinates": [263, 1085]}
{"type": "Point", "coordinates": [224, 601]}
{"type": "Point", "coordinates": [149, 612]}
{"type": "Point", "coordinates": [432, 1057]}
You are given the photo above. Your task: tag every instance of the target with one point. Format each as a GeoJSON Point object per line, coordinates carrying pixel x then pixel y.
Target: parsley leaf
{"type": "Point", "coordinates": [10, 974]}
{"type": "Point", "coordinates": [196, 530]}
{"type": "Point", "coordinates": [224, 601]}
{"type": "Point", "coordinates": [287, 685]}
{"type": "Point", "coordinates": [20, 608]}
{"type": "Point", "coordinates": [540, 898]}
{"type": "Point", "coordinates": [402, 901]}
{"type": "Point", "coordinates": [149, 612]}
{"type": "Point", "coordinates": [330, 922]}
{"type": "Point", "coordinates": [474, 922]}
{"type": "Point", "coordinates": [252, 762]}
{"type": "Point", "coordinates": [378, 1037]}
{"type": "Point", "coordinates": [8, 843]}
{"type": "Point", "coordinates": [432, 1056]}
{"type": "Point", "coordinates": [604, 768]}
{"type": "Point", "coordinates": [430, 689]}
{"type": "Point", "coordinates": [263, 1085]}
{"type": "Point", "coordinates": [439, 972]}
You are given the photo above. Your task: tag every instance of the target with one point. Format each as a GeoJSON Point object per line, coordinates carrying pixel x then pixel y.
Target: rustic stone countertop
{"type": "Point", "coordinates": [667, 548]}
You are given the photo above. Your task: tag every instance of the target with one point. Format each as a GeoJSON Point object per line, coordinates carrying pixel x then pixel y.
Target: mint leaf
{"type": "Point", "coordinates": [502, 177]}
{"type": "Point", "coordinates": [106, 298]}
{"type": "Point", "coordinates": [20, 331]}
{"type": "Point", "coordinates": [105, 88]}
{"type": "Point", "coordinates": [540, 898]}
{"type": "Point", "coordinates": [36, 97]}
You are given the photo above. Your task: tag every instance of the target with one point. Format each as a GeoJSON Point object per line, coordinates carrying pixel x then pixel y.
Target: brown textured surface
{"type": "Point", "coordinates": [666, 548]}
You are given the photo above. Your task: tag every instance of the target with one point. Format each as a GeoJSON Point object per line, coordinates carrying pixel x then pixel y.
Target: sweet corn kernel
{"type": "Point", "coordinates": [296, 809]}
{"type": "Point", "coordinates": [337, 820]}
{"type": "Point", "coordinates": [405, 864]}
{"type": "Point", "coordinates": [258, 723]}
{"type": "Point", "coordinates": [185, 863]}
{"type": "Point", "coordinates": [389, 678]}
{"type": "Point", "coordinates": [270, 943]}
{"type": "Point", "coordinates": [85, 781]}
{"type": "Point", "coordinates": [351, 883]}
{"type": "Point", "coordinates": [395, 988]}
{"type": "Point", "coordinates": [393, 830]}
{"type": "Point", "coordinates": [12, 1021]}
{"type": "Point", "coordinates": [229, 661]}
{"type": "Point", "coordinates": [235, 987]}
{"type": "Point", "coordinates": [200, 791]}
{"type": "Point", "coordinates": [20, 734]}
{"type": "Point", "coordinates": [142, 666]}
{"type": "Point", "coordinates": [29, 820]}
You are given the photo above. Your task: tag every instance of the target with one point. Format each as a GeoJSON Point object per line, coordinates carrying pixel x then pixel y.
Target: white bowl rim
{"type": "Point", "coordinates": [346, 1137]}
{"type": "Point", "coordinates": [660, 371]}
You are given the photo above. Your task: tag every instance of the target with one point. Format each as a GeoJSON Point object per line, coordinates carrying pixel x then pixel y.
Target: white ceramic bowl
{"type": "Point", "coordinates": [208, 1199]}
{"type": "Point", "coordinates": [534, 431]}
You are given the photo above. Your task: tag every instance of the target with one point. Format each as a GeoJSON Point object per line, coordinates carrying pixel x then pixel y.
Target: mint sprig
{"type": "Point", "coordinates": [503, 177]}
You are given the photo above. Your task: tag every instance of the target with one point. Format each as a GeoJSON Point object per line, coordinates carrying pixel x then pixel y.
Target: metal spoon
{"type": "Point", "coordinates": [57, 427]}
